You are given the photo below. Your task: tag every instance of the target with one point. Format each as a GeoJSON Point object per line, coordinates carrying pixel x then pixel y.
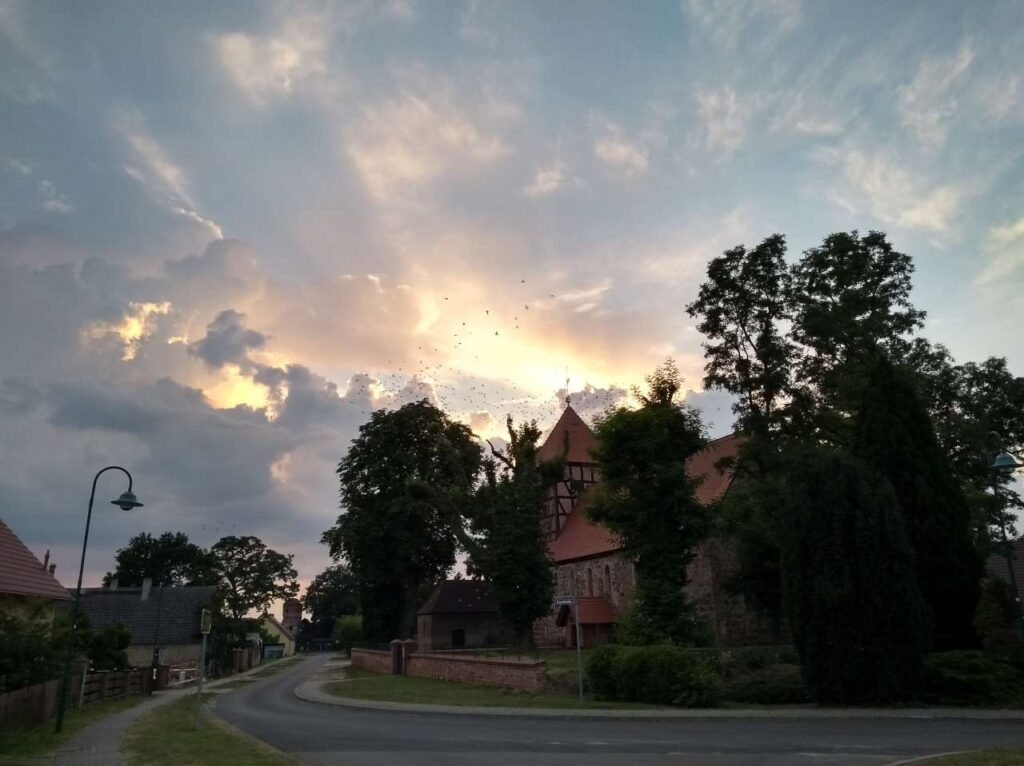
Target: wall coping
{"type": "Point", "coordinates": [385, 652]}
{"type": "Point", "coordinates": [478, 660]}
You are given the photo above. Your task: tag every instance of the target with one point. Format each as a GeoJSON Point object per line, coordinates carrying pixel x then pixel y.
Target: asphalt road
{"type": "Point", "coordinates": [323, 734]}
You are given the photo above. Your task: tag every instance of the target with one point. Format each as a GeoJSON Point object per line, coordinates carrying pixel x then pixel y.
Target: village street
{"type": "Point", "coordinates": [322, 734]}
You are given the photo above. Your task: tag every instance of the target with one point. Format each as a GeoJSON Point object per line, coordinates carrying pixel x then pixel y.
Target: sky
{"type": "Point", "coordinates": [229, 231]}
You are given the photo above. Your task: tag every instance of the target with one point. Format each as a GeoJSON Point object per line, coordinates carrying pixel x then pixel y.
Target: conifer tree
{"type": "Point", "coordinates": [894, 434]}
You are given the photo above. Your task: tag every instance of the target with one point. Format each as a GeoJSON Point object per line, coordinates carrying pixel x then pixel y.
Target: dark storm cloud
{"type": "Point", "coordinates": [227, 341]}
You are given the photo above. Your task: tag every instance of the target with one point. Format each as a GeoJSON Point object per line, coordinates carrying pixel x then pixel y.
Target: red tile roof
{"type": "Point", "coordinates": [595, 610]}
{"type": "Point", "coordinates": [581, 538]}
{"type": "Point", "coordinates": [581, 439]}
{"type": "Point", "coordinates": [22, 574]}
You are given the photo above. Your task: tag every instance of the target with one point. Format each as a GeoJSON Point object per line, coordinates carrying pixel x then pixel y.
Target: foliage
{"type": "Point", "coordinates": [252, 575]}
{"type": "Point", "coordinates": [168, 560]}
{"type": "Point", "coordinates": [856, 611]}
{"type": "Point", "coordinates": [508, 546]}
{"type": "Point", "coordinates": [332, 593]}
{"type": "Point", "coordinates": [403, 483]}
{"type": "Point", "coordinates": [894, 434]}
{"type": "Point", "coordinates": [998, 619]}
{"type": "Point", "coordinates": [348, 630]}
{"type": "Point", "coordinates": [780, 684]}
{"type": "Point", "coordinates": [33, 646]}
{"type": "Point", "coordinates": [108, 649]}
{"type": "Point", "coordinates": [659, 675]}
{"type": "Point", "coordinates": [742, 308]}
{"type": "Point", "coordinates": [971, 678]}
{"type": "Point", "coordinates": [648, 501]}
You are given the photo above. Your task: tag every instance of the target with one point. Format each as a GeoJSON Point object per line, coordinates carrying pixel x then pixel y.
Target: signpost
{"type": "Point", "coordinates": [205, 623]}
{"type": "Point", "coordinates": [571, 602]}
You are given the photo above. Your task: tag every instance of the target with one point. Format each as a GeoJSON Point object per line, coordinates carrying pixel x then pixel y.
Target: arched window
{"type": "Point", "coordinates": [590, 582]}
{"type": "Point", "coordinates": [608, 582]}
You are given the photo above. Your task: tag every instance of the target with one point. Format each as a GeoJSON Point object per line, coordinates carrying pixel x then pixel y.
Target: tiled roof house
{"type": "Point", "coordinates": [25, 581]}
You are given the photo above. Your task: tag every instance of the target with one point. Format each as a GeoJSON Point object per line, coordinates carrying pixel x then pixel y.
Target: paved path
{"type": "Point", "coordinates": [323, 734]}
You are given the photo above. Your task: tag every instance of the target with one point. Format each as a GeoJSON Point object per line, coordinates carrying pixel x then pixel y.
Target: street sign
{"type": "Point", "coordinates": [205, 622]}
{"type": "Point", "coordinates": [565, 601]}
{"type": "Point", "coordinates": [561, 601]}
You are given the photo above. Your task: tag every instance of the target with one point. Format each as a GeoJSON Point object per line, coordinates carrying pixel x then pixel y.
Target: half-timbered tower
{"type": "Point", "coordinates": [574, 440]}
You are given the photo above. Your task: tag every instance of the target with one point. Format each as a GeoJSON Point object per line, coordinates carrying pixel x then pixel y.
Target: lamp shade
{"type": "Point", "coordinates": [1006, 463]}
{"type": "Point", "coordinates": [127, 501]}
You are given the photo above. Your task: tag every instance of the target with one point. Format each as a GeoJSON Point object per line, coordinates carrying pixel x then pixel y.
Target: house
{"type": "Point", "coordinates": [997, 565]}
{"type": "Point", "coordinates": [460, 614]}
{"type": "Point", "coordinates": [160, 619]}
{"type": "Point", "coordinates": [27, 585]}
{"type": "Point", "coordinates": [282, 643]}
{"type": "Point", "coordinates": [588, 559]}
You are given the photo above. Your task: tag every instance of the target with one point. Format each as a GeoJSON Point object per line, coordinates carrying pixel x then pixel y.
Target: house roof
{"type": "Point", "coordinates": [461, 597]}
{"type": "Point", "coordinates": [581, 439]}
{"type": "Point", "coordinates": [170, 615]}
{"type": "Point", "coordinates": [996, 565]}
{"type": "Point", "coordinates": [278, 626]}
{"type": "Point", "coordinates": [581, 538]}
{"type": "Point", "coordinates": [22, 574]}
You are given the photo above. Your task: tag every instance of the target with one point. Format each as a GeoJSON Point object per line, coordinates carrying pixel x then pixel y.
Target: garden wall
{"type": "Point", "coordinates": [372, 660]}
{"type": "Point", "coordinates": [527, 675]}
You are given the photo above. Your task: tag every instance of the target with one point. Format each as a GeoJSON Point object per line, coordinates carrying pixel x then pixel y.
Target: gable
{"type": "Point", "coordinates": [22, 574]}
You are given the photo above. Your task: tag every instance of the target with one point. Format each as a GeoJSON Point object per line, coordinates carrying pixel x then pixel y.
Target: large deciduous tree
{"type": "Point", "coordinates": [894, 434]}
{"type": "Point", "coordinates": [167, 560]}
{"type": "Point", "coordinates": [742, 309]}
{"type": "Point", "coordinates": [507, 546]}
{"type": "Point", "coordinates": [252, 575]}
{"type": "Point", "coordinates": [858, 618]}
{"type": "Point", "coordinates": [332, 593]}
{"type": "Point", "coordinates": [648, 501]}
{"type": "Point", "coordinates": [404, 481]}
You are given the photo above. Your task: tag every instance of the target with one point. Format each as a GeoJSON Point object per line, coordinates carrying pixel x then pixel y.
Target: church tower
{"type": "Point", "coordinates": [573, 439]}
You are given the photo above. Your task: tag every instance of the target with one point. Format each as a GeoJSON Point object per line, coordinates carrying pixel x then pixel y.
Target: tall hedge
{"type": "Point", "coordinates": [858, 617]}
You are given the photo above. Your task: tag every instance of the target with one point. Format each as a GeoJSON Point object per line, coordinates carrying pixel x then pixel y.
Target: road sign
{"type": "Point", "coordinates": [561, 601]}
{"type": "Point", "coordinates": [565, 601]}
{"type": "Point", "coordinates": [205, 622]}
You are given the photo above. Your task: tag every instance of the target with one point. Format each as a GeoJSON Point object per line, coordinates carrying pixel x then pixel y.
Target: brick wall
{"type": "Point", "coordinates": [610, 576]}
{"type": "Point", "coordinates": [372, 660]}
{"type": "Point", "coordinates": [528, 675]}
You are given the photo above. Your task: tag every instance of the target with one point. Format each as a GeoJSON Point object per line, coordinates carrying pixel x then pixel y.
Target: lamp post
{"type": "Point", "coordinates": [126, 502]}
{"type": "Point", "coordinates": [1005, 464]}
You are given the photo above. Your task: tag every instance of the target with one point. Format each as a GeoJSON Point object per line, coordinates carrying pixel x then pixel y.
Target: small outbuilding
{"type": "Point", "coordinates": [460, 614]}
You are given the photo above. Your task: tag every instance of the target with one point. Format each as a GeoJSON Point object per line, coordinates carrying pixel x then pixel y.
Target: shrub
{"type": "Point", "coordinates": [997, 619]}
{"type": "Point", "coordinates": [348, 629]}
{"type": "Point", "coordinates": [108, 649]}
{"type": "Point", "coordinates": [971, 678]}
{"type": "Point", "coordinates": [772, 685]}
{"type": "Point", "coordinates": [660, 675]}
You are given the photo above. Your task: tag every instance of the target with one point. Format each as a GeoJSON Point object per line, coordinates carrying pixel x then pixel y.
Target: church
{"type": "Point", "coordinates": [589, 563]}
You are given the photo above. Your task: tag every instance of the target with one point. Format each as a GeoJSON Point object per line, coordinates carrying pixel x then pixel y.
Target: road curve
{"type": "Point", "coordinates": [321, 734]}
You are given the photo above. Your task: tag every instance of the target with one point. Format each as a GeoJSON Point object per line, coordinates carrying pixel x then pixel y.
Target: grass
{"type": "Point", "coordinates": [166, 737]}
{"type": "Point", "coordinates": [26, 745]}
{"type": "Point", "coordinates": [274, 666]}
{"type": "Point", "coordinates": [361, 684]}
{"type": "Point", "coordinates": [998, 757]}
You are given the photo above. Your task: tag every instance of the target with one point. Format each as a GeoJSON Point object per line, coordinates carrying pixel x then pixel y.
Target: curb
{"type": "Point", "coordinates": [932, 757]}
{"type": "Point", "coordinates": [216, 720]}
{"type": "Point", "coordinates": [310, 691]}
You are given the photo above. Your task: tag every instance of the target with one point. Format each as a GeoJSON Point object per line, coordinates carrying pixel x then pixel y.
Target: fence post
{"type": "Point", "coordinates": [396, 657]}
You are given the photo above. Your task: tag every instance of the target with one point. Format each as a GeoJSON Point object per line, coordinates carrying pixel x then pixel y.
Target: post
{"type": "Point", "coordinates": [199, 684]}
{"type": "Point", "coordinates": [579, 649]}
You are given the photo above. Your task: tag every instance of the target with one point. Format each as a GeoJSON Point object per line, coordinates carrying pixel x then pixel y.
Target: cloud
{"type": "Point", "coordinates": [1004, 252]}
{"type": "Point", "coordinates": [615, 149]}
{"type": "Point", "coordinates": [730, 21]}
{"type": "Point", "coordinates": [549, 180]}
{"type": "Point", "coordinates": [227, 341]}
{"type": "Point", "coordinates": [929, 101]}
{"type": "Point", "coordinates": [724, 117]}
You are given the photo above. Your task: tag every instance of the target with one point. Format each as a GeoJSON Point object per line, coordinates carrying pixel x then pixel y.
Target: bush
{"type": "Point", "coordinates": [660, 675]}
{"type": "Point", "coordinates": [772, 685]}
{"type": "Point", "coordinates": [971, 678]}
{"type": "Point", "coordinates": [108, 649]}
{"type": "Point", "coordinates": [348, 629]}
{"type": "Point", "coordinates": [997, 619]}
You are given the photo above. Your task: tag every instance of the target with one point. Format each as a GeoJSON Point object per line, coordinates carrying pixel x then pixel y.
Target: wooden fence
{"type": "Point", "coordinates": [35, 705]}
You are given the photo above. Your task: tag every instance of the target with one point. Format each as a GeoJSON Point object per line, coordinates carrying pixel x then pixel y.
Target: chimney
{"type": "Point", "coordinates": [147, 583]}
{"type": "Point", "coordinates": [113, 583]}
{"type": "Point", "coordinates": [46, 560]}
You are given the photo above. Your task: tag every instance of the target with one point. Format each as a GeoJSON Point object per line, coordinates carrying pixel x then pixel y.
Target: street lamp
{"type": "Point", "coordinates": [1005, 464]}
{"type": "Point", "coordinates": [126, 502]}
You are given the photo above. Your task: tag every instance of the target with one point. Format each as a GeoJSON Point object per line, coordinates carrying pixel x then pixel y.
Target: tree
{"type": "Point", "coordinates": [858, 618]}
{"type": "Point", "coordinates": [998, 619]}
{"type": "Point", "coordinates": [403, 484]}
{"type": "Point", "coordinates": [648, 501]}
{"type": "Point", "coordinates": [850, 296]}
{"type": "Point", "coordinates": [252, 575]}
{"type": "Point", "coordinates": [509, 548]}
{"type": "Point", "coordinates": [894, 434]}
{"type": "Point", "coordinates": [168, 559]}
{"type": "Point", "coordinates": [332, 593]}
{"type": "Point", "coordinates": [742, 308]}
